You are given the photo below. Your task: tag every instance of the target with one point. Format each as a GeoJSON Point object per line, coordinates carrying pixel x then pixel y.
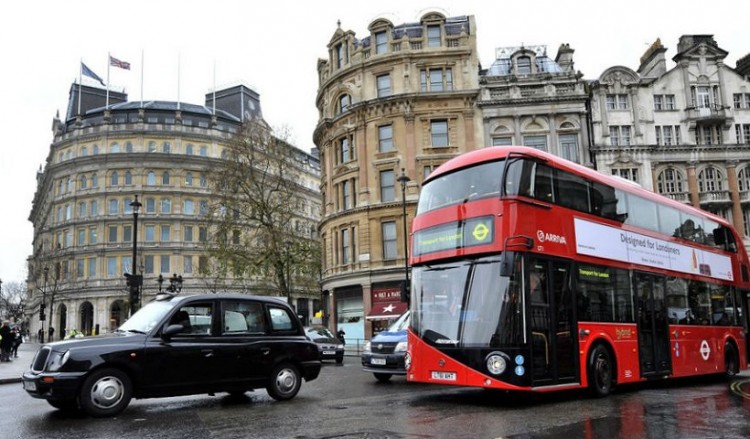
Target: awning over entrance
{"type": "Point", "coordinates": [386, 310]}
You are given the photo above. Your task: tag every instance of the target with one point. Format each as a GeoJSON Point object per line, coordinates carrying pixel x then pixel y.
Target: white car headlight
{"type": "Point", "coordinates": [402, 346]}
{"type": "Point", "coordinates": [367, 349]}
{"type": "Point", "coordinates": [56, 360]}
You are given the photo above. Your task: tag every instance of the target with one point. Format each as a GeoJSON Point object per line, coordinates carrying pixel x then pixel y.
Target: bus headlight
{"type": "Point", "coordinates": [497, 362]}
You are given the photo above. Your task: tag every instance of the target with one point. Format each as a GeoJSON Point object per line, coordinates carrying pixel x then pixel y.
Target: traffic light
{"type": "Point", "coordinates": [42, 316]}
{"type": "Point", "coordinates": [133, 282]}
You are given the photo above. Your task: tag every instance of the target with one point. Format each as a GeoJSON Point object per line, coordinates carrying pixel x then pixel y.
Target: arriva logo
{"type": "Point", "coordinates": [541, 236]}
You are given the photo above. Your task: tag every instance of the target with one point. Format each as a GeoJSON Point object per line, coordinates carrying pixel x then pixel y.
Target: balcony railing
{"type": "Point", "coordinates": [715, 197]}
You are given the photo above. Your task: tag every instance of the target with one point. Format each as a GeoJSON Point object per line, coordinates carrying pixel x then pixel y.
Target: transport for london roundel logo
{"type": "Point", "coordinates": [480, 232]}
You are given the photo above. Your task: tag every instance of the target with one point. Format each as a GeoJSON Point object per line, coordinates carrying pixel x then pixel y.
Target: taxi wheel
{"type": "Point", "coordinates": [65, 405]}
{"type": "Point", "coordinates": [383, 377]}
{"type": "Point", "coordinates": [106, 392]}
{"type": "Point", "coordinates": [285, 382]}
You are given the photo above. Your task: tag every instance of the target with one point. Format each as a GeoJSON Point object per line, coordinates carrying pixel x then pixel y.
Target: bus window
{"type": "Point", "coordinates": [699, 303]}
{"type": "Point", "coordinates": [603, 201]}
{"type": "Point", "coordinates": [677, 300]}
{"type": "Point", "coordinates": [669, 220]}
{"type": "Point", "coordinates": [642, 213]}
{"type": "Point", "coordinates": [575, 190]}
{"type": "Point", "coordinates": [692, 228]}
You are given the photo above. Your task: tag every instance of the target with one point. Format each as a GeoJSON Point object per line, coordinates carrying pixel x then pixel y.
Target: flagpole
{"type": "Point", "coordinates": [106, 105]}
{"type": "Point", "coordinates": [178, 81]}
{"type": "Point", "coordinates": [214, 95]}
{"type": "Point", "coordinates": [80, 78]}
{"type": "Point", "coordinates": [141, 78]}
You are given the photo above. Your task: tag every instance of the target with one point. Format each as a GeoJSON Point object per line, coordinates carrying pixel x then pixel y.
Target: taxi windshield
{"type": "Point", "coordinates": [147, 317]}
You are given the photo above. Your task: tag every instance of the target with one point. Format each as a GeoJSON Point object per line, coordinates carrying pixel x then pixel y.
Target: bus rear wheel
{"type": "Point", "coordinates": [600, 371]}
{"type": "Point", "coordinates": [731, 361]}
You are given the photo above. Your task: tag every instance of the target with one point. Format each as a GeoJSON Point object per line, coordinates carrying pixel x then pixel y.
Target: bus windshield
{"type": "Point", "coordinates": [467, 184]}
{"type": "Point", "coordinates": [466, 303]}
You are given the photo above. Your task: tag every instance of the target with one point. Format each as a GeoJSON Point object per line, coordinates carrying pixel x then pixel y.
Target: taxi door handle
{"type": "Point", "coordinates": [265, 351]}
{"type": "Point", "coordinates": [207, 353]}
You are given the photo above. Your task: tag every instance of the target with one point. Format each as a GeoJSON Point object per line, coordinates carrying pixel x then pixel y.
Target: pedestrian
{"type": "Point", "coordinates": [18, 339]}
{"type": "Point", "coordinates": [6, 341]}
{"type": "Point", "coordinates": [341, 334]}
{"type": "Point", "coordinates": [40, 335]}
{"type": "Point", "coordinates": [51, 334]}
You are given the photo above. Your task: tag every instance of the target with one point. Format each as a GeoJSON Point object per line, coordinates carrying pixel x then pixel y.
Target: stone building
{"type": "Point", "coordinates": [528, 98]}
{"type": "Point", "coordinates": [683, 131]}
{"type": "Point", "coordinates": [392, 105]}
{"type": "Point", "coordinates": [106, 152]}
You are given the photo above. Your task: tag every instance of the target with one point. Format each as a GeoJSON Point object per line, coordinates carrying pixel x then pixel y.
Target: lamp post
{"type": "Point", "coordinates": [43, 305]}
{"type": "Point", "coordinates": [136, 292]}
{"type": "Point", "coordinates": [403, 179]}
{"type": "Point", "coordinates": [175, 283]}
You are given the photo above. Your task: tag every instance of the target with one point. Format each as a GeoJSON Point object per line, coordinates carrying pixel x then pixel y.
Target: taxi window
{"type": "Point", "coordinates": [280, 320]}
{"type": "Point", "coordinates": [243, 317]}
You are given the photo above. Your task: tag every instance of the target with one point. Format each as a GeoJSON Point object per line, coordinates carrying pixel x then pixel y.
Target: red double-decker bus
{"type": "Point", "coordinates": [530, 272]}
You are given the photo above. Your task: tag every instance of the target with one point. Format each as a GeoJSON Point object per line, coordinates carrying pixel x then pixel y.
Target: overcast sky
{"type": "Point", "coordinates": [274, 47]}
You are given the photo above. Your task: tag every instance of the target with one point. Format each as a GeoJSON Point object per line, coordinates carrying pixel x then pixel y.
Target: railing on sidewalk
{"type": "Point", "coordinates": [354, 346]}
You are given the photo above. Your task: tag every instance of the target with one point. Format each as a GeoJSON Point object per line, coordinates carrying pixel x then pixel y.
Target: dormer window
{"type": "Point", "coordinates": [340, 55]}
{"type": "Point", "coordinates": [381, 42]}
{"type": "Point", "coordinates": [523, 65]}
{"type": "Point", "coordinates": [434, 36]}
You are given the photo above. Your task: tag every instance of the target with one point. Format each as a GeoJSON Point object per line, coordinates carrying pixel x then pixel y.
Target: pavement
{"type": "Point", "coordinates": [11, 372]}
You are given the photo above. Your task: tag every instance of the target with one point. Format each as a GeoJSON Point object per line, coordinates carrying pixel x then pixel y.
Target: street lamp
{"type": "Point", "coordinates": [43, 305]}
{"type": "Point", "coordinates": [403, 179]}
{"type": "Point", "coordinates": [136, 288]}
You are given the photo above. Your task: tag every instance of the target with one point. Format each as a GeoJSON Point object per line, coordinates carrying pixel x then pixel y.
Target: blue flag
{"type": "Point", "coordinates": [90, 73]}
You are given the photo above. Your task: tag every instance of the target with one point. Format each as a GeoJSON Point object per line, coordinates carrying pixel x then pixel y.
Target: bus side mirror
{"type": "Point", "coordinates": [506, 264]}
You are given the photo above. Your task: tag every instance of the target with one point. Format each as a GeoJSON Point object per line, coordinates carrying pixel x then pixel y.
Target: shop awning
{"type": "Point", "coordinates": [386, 310]}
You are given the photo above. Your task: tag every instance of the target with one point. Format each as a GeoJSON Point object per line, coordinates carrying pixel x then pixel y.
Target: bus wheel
{"type": "Point", "coordinates": [600, 371]}
{"type": "Point", "coordinates": [730, 360]}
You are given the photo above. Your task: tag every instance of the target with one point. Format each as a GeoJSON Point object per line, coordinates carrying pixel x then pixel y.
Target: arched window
{"type": "Point", "coordinates": [743, 179]}
{"type": "Point", "coordinates": [165, 177]}
{"type": "Point", "coordinates": [189, 179]}
{"type": "Point", "coordinates": [84, 151]}
{"type": "Point", "coordinates": [129, 147]}
{"type": "Point", "coordinates": [670, 182]}
{"type": "Point", "coordinates": [128, 178]}
{"type": "Point", "coordinates": [96, 149]}
{"type": "Point", "coordinates": [114, 179]}
{"type": "Point", "coordinates": [84, 182]}
{"type": "Point", "coordinates": [114, 147]}
{"type": "Point", "coordinates": [166, 147]}
{"type": "Point", "coordinates": [151, 178]}
{"type": "Point", "coordinates": [151, 146]}
{"type": "Point", "coordinates": [189, 149]}
{"type": "Point", "coordinates": [94, 180]}
{"type": "Point", "coordinates": [224, 154]}
{"type": "Point", "coordinates": [343, 104]}
{"type": "Point", "coordinates": [203, 181]}
{"type": "Point", "coordinates": [710, 179]}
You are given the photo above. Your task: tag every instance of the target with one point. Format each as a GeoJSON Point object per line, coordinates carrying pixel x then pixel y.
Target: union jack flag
{"type": "Point", "coordinates": [117, 63]}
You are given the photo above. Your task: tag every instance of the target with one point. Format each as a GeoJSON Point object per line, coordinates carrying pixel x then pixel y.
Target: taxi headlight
{"type": "Point", "coordinates": [496, 363]}
{"type": "Point", "coordinates": [402, 346]}
{"type": "Point", "coordinates": [57, 360]}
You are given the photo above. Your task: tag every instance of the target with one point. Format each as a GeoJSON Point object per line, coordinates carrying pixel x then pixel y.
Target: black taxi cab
{"type": "Point", "coordinates": [179, 345]}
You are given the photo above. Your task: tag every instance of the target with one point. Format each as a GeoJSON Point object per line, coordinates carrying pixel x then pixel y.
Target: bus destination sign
{"type": "Point", "coordinates": [456, 235]}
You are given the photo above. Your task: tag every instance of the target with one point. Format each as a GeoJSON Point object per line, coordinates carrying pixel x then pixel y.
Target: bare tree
{"type": "Point", "coordinates": [12, 298]}
{"type": "Point", "coordinates": [261, 238]}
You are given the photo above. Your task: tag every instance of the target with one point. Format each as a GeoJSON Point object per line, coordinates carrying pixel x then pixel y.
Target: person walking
{"type": "Point", "coordinates": [6, 341]}
{"type": "Point", "coordinates": [17, 340]}
{"type": "Point", "coordinates": [51, 334]}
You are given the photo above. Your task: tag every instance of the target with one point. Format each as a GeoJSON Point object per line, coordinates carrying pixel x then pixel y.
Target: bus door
{"type": "Point", "coordinates": [550, 322]}
{"type": "Point", "coordinates": [743, 309]}
{"type": "Point", "coordinates": [653, 326]}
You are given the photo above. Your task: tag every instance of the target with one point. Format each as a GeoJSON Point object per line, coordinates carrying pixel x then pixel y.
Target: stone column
{"type": "Point", "coordinates": [693, 185]}
{"type": "Point", "coordinates": [734, 195]}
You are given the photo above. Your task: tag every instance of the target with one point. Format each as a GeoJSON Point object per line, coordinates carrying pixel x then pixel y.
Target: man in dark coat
{"type": "Point", "coordinates": [6, 343]}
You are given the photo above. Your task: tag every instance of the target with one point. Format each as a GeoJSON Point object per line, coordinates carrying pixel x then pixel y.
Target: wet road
{"type": "Point", "coordinates": [348, 403]}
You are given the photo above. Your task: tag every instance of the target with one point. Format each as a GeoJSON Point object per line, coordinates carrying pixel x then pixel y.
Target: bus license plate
{"type": "Point", "coordinates": [443, 376]}
{"type": "Point", "coordinates": [29, 385]}
{"type": "Point", "coordinates": [378, 361]}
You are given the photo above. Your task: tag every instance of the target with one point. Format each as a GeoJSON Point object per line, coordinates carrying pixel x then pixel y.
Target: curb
{"type": "Point", "coordinates": [10, 380]}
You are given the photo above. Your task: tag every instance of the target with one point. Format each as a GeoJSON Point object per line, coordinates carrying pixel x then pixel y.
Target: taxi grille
{"type": "Point", "coordinates": [382, 348]}
{"type": "Point", "coordinates": [40, 360]}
